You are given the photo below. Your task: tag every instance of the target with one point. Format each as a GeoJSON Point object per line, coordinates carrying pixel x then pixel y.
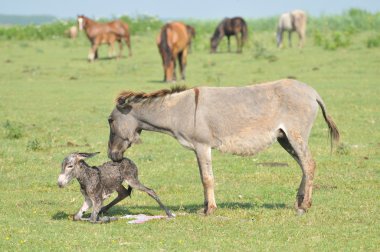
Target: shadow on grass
{"type": "Point", "coordinates": [191, 209]}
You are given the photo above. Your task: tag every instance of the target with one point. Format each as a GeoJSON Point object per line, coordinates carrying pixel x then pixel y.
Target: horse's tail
{"type": "Point", "coordinates": [127, 37]}
{"type": "Point", "coordinates": [244, 30]}
{"type": "Point", "coordinates": [333, 129]}
{"type": "Point", "coordinates": [164, 46]}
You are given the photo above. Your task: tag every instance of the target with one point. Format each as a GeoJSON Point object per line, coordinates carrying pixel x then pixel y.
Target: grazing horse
{"type": "Point", "coordinates": [229, 27]}
{"type": "Point", "coordinates": [292, 21]}
{"type": "Point", "coordinates": [191, 32]}
{"type": "Point", "coordinates": [238, 120]}
{"type": "Point", "coordinates": [173, 42]}
{"type": "Point", "coordinates": [72, 32]}
{"type": "Point", "coordinates": [104, 33]}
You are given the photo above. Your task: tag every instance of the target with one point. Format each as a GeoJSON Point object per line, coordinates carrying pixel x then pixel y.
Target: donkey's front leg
{"type": "Point", "coordinates": [205, 169]}
{"type": "Point", "coordinates": [97, 205]}
{"type": "Point", "coordinates": [86, 205]}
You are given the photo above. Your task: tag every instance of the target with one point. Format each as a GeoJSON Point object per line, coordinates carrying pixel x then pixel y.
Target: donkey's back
{"type": "Point", "coordinates": [245, 120]}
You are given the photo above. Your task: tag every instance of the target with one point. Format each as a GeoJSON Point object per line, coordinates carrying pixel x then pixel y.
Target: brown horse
{"type": "Point", "coordinates": [173, 42]}
{"type": "Point", "coordinates": [229, 27]}
{"type": "Point", "coordinates": [104, 33]}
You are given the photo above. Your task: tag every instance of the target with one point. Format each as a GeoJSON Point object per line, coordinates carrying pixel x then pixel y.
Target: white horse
{"type": "Point", "coordinates": [292, 21]}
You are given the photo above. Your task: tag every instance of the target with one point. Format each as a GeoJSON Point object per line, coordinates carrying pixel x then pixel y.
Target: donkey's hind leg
{"type": "Point", "coordinates": [122, 193]}
{"type": "Point", "coordinates": [134, 183]}
{"type": "Point", "coordinates": [297, 147]}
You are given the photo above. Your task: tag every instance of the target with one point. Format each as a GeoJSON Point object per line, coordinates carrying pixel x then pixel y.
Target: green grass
{"type": "Point", "coordinates": [52, 102]}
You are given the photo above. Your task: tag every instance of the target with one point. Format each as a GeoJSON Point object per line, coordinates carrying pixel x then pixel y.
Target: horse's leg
{"type": "Point", "coordinates": [120, 48]}
{"type": "Point", "coordinates": [174, 67]}
{"type": "Point", "coordinates": [111, 49]}
{"type": "Point", "coordinates": [290, 38]}
{"type": "Point", "coordinates": [182, 57]}
{"type": "Point", "coordinates": [238, 42]}
{"type": "Point", "coordinates": [228, 44]}
{"type": "Point", "coordinates": [296, 146]}
{"type": "Point", "coordinates": [93, 52]}
{"type": "Point", "coordinates": [203, 153]}
{"type": "Point", "coordinates": [128, 42]}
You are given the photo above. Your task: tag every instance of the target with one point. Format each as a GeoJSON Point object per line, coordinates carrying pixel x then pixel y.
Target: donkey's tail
{"type": "Point", "coordinates": [334, 133]}
{"type": "Point", "coordinates": [164, 45]}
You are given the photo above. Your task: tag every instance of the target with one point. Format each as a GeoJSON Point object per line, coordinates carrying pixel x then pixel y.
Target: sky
{"type": "Point", "coordinates": [166, 9]}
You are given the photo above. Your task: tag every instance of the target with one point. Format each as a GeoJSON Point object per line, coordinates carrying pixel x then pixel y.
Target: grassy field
{"type": "Point", "coordinates": [52, 103]}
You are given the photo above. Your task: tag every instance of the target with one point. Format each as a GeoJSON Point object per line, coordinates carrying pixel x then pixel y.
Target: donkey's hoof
{"type": "Point", "coordinates": [300, 211]}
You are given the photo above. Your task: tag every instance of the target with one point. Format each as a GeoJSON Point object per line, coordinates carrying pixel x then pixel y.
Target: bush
{"type": "Point", "coordinates": [13, 130]}
{"type": "Point", "coordinates": [333, 40]}
{"type": "Point", "coordinates": [374, 41]}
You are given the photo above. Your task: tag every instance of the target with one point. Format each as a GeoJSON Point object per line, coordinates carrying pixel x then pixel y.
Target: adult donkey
{"type": "Point", "coordinates": [239, 120]}
{"type": "Point", "coordinates": [292, 21]}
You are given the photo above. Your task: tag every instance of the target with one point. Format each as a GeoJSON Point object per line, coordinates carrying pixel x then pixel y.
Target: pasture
{"type": "Point", "coordinates": [53, 102]}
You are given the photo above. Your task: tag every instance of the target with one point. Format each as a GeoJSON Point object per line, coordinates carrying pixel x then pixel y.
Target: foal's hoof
{"type": "Point", "coordinates": [300, 211]}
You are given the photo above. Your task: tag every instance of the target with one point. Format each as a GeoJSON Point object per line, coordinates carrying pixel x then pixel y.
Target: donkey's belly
{"type": "Point", "coordinates": [248, 143]}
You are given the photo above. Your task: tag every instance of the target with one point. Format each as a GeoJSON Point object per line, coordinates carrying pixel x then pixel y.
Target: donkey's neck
{"type": "Point", "coordinates": [168, 115]}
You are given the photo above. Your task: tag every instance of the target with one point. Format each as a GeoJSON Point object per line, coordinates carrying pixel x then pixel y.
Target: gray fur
{"type": "Point", "coordinates": [239, 120]}
{"type": "Point", "coordinates": [97, 183]}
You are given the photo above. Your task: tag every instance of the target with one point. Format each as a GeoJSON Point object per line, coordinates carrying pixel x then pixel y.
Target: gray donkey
{"type": "Point", "coordinates": [97, 183]}
{"type": "Point", "coordinates": [238, 120]}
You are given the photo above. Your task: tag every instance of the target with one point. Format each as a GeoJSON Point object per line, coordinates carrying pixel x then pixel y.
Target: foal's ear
{"type": "Point", "coordinates": [82, 156]}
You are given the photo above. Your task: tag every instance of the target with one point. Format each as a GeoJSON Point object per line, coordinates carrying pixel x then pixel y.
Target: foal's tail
{"type": "Point", "coordinates": [334, 133]}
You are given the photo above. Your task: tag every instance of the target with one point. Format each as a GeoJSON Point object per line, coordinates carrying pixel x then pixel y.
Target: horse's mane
{"type": "Point", "coordinates": [126, 97]}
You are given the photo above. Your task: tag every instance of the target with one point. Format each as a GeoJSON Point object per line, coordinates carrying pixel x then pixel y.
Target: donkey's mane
{"type": "Point", "coordinates": [126, 97]}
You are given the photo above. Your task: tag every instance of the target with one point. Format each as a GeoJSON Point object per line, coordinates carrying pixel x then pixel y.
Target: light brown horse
{"type": "Point", "coordinates": [173, 42]}
{"type": "Point", "coordinates": [105, 33]}
{"type": "Point", "coordinates": [292, 21]}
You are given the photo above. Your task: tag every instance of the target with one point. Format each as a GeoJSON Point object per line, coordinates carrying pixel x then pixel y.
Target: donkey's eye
{"type": "Point", "coordinates": [70, 167]}
{"type": "Point", "coordinates": [110, 120]}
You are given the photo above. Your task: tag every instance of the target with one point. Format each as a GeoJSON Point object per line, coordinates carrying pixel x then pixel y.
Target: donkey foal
{"type": "Point", "coordinates": [97, 183]}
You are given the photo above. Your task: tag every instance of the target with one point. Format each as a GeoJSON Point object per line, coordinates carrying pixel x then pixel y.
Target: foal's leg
{"type": "Point", "coordinates": [93, 52]}
{"type": "Point", "coordinates": [122, 193]}
{"type": "Point", "coordinates": [86, 205]}
{"type": "Point", "coordinates": [295, 145]}
{"type": "Point", "coordinates": [134, 183]}
{"type": "Point", "coordinates": [203, 154]}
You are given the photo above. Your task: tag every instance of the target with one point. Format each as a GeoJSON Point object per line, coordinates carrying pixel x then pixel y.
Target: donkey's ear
{"type": "Point", "coordinates": [82, 156]}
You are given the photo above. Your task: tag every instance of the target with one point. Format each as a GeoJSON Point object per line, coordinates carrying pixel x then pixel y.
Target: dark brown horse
{"type": "Point", "coordinates": [104, 33]}
{"type": "Point", "coordinates": [173, 42]}
{"type": "Point", "coordinates": [229, 27]}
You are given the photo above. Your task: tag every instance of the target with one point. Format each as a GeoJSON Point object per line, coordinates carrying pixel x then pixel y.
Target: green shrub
{"type": "Point", "coordinates": [373, 41]}
{"type": "Point", "coordinates": [12, 130]}
{"type": "Point", "coordinates": [33, 145]}
{"type": "Point", "coordinates": [332, 41]}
